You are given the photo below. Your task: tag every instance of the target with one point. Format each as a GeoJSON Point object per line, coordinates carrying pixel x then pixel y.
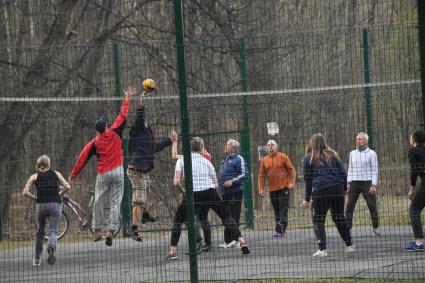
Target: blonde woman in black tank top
{"type": "Point", "coordinates": [50, 185]}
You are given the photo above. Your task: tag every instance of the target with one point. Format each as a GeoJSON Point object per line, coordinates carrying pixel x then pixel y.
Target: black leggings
{"type": "Point", "coordinates": [322, 200]}
{"type": "Point", "coordinates": [204, 201]}
{"type": "Point", "coordinates": [416, 207]}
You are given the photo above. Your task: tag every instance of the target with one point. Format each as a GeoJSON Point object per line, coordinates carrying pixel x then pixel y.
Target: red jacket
{"type": "Point", "coordinates": [107, 146]}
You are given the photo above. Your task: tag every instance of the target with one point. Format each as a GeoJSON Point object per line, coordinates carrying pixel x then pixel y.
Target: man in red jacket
{"type": "Point", "coordinates": [109, 189]}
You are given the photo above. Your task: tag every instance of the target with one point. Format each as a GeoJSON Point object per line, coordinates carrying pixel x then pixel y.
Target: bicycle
{"type": "Point", "coordinates": [84, 216]}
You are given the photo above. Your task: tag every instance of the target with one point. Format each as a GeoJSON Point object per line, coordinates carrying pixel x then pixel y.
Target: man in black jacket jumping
{"type": "Point", "coordinates": [142, 147]}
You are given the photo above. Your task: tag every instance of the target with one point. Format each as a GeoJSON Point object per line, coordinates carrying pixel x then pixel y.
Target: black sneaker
{"type": "Point", "coordinates": [243, 246]}
{"type": "Point", "coordinates": [148, 218]}
{"type": "Point", "coordinates": [200, 245]}
{"type": "Point", "coordinates": [206, 249]}
{"type": "Point", "coordinates": [245, 249]}
{"type": "Point", "coordinates": [97, 239]}
{"type": "Point", "coordinates": [51, 259]}
{"type": "Point", "coordinates": [135, 234]}
{"type": "Point", "coordinates": [203, 247]}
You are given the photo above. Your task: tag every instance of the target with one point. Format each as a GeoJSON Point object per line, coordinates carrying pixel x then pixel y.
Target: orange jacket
{"type": "Point", "coordinates": [279, 172]}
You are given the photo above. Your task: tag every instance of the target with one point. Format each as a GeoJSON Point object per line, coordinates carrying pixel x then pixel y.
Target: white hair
{"type": "Point", "coordinates": [235, 145]}
{"type": "Point", "coordinates": [366, 136]}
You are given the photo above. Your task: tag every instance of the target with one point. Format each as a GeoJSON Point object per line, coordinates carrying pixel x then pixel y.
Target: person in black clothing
{"type": "Point", "coordinates": [142, 146]}
{"type": "Point", "coordinates": [417, 168]}
{"type": "Point", "coordinates": [50, 185]}
{"type": "Point", "coordinates": [325, 182]}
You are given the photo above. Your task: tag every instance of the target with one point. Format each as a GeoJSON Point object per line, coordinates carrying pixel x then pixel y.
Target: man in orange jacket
{"type": "Point", "coordinates": [280, 174]}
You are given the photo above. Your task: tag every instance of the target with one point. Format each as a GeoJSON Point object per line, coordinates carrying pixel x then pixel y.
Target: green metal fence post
{"type": "Point", "coordinates": [367, 94]}
{"type": "Point", "coordinates": [126, 200]}
{"type": "Point", "coordinates": [421, 26]}
{"type": "Point", "coordinates": [245, 140]}
{"type": "Point", "coordinates": [184, 116]}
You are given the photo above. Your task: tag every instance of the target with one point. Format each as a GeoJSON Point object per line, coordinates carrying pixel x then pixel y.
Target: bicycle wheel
{"type": "Point", "coordinates": [63, 225]}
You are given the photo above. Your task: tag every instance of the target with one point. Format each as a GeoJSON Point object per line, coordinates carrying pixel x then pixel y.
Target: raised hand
{"type": "Point", "coordinates": [173, 136]}
{"type": "Point", "coordinates": [131, 91]}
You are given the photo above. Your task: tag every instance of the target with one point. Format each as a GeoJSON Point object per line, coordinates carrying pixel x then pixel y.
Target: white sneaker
{"type": "Point", "coordinates": [223, 246]}
{"type": "Point", "coordinates": [232, 244]}
{"type": "Point", "coordinates": [320, 253]}
{"type": "Point", "coordinates": [376, 231]}
{"type": "Point", "coordinates": [36, 262]}
{"type": "Point", "coordinates": [350, 249]}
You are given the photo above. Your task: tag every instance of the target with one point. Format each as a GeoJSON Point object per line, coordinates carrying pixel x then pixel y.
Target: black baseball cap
{"type": "Point", "coordinates": [101, 123]}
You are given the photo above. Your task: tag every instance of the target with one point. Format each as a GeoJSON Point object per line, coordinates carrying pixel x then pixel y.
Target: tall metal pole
{"type": "Point", "coordinates": [245, 141]}
{"type": "Point", "coordinates": [368, 98]}
{"type": "Point", "coordinates": [126, 199]}
{"type": "Point", "coordinates": [184, 117]}
{"type": "Point", "coordinates": [421, 25]}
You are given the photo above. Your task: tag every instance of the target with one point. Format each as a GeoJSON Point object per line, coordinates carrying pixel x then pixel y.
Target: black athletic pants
{"type": "Point", "coordinates": [322, 200]}
{"type": "Point", "coordinates": [204, 201]}
{"type": "Point", "coordinates": [357, 188]}
{"type": "Point", "coordinates": [416, 207]}
{"type": "Point", "coordinates": [233, 204]}
{"type": "Point", "coordinates": [280, 203]}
